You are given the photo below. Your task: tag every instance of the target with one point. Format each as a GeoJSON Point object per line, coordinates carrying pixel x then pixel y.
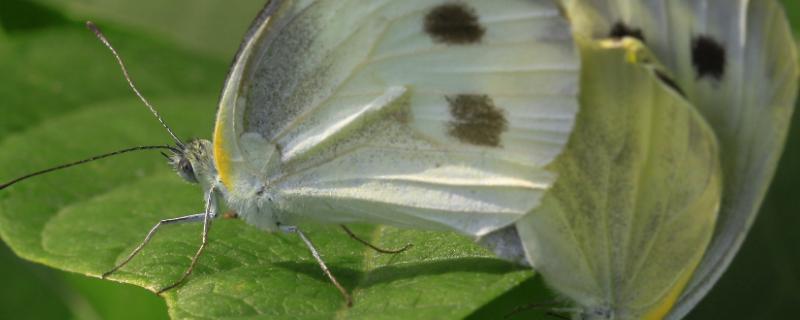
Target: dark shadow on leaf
{"type": "Point", "coordinates": [533, 290]}
{"type": "Point", "coordinates": [350, 277]}
{"type": "Point", "coordinates": [346, 276]}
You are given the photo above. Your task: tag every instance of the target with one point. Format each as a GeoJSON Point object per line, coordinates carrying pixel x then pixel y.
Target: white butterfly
{"type": "Point", "coordinates": [416, 113]}
{"type": "Point", "coordinates": [736, 62]}
{"type": "Point", "coordinates": [638, 191]}
{"type": "Point", "coordinates": [427, 114]}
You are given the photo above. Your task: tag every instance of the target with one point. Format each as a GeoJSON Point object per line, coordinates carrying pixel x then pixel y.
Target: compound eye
{"type": "Point", "coordinates": [186, 171]}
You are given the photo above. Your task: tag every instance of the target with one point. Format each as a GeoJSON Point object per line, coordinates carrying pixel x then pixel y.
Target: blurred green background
{"type": "Point", "coordinates": [761, 283]}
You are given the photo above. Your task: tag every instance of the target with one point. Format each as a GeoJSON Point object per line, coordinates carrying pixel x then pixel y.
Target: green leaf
{"type": "Point", "coordinates": [64, 99]}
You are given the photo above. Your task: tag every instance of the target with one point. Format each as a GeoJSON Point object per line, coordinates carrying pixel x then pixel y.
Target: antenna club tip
{"type": "Point", "coordinates": [94, 29]}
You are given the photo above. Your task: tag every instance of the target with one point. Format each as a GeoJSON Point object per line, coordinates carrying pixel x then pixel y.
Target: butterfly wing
{"type": "Point", "coordinates": [737, 62]}
{"type": "Point", "coordinates": [635, 203]}
{"type": "Point", "coordinates": [424, 113]}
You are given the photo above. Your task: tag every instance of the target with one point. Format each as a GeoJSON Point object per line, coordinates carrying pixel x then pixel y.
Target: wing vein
{"type": "Point", "coordinates": [442, 48]}
{"type": "Point", "coordinates": [640, 181]}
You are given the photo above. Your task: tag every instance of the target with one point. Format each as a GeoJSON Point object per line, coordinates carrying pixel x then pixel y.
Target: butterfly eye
{"type": "Point", "coordinates": [186, 171]}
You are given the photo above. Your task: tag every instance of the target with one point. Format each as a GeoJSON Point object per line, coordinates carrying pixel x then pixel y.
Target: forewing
{"type": "Point", "coordinates": [423, 113]}
{"type": "Point", "coordinates": [634, 207]}
{"type": "Point", "coordinates": [737, 62]}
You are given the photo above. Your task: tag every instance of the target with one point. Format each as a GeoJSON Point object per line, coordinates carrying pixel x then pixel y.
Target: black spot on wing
{"type": "Point", "coordinates": [476, 120]}
{"type": "Point", "coordinates": [708, 57]}
{"type": "Point", "coordinates": [670, 82]}
{"type": "Point", "coordinates": [620, 30]}
{"type": "Point", "coordinates": [454, 23]}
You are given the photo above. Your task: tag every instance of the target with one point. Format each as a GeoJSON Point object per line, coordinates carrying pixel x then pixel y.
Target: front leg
{"type": "Point", "coordinates": [190, 218]}
{"type": "Point", "coordinates": [206, 217]}
{"type": "Point", "coordinates": [211, 213]}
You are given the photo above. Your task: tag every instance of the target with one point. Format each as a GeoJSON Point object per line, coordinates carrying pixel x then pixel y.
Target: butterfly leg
{"type": "Point", "coordinates": [364, 242]}
{"type": "Point", "coordinates": [207, 217]}
{"type": "Point", "coordinates": [315, 253]}
{"type": "Point", "coordinates": [184, 219]}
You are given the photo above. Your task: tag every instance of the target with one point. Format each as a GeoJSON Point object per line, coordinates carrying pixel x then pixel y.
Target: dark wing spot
{"type": "Point", "coordinates": [620, 30]}
{"type": "Point", "coordinates": [454, 23]}
{"type": "Point", "coordinates": [708, 57]}
{"type": "Point", "coordinates": [670, 82]}
{"type": "Point", "coordinates": [476, 120]}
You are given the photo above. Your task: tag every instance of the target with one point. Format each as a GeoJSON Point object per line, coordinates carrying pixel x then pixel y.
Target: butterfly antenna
{"type": "Point", "coordinates": [72, 164]}
{"type": "Point", "coordinates": [99, 34]}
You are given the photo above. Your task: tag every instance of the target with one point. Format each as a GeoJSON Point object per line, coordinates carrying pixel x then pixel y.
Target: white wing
{"type": "Point", "coordinates": [424, 113]}
{"type": "Point", "coordinates": [634, 207]}
{"type": "Point", "coordinates": [737, 62]}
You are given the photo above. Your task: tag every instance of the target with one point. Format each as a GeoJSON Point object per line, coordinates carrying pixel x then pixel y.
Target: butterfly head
{"type": "Point", "coordinates": [194, 161]}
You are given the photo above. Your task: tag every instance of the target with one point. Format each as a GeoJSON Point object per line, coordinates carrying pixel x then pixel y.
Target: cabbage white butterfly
{"type": "Point", "coordinates": [737, 61]}
{"type": "Point", "coordinates": [635, 203]}
{"type": "Point", "coordinates": [714, 49]}
{"type": "Point", "coordinates": [418, 113]}
{"type": "Point", "coordinates": [446, 122]}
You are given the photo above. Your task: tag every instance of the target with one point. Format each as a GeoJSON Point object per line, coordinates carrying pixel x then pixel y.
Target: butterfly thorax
{"type": "Point", "coordinates": [250, 198]}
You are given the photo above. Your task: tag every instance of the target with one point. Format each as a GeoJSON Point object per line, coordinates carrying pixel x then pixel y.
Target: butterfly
{"type": "Point", "coordinates": [443, 117]}
{"type": "Point", "coordinates": [645, 256]}
{"type": "Point", "coordinates": [426, 114]}
{"type": "Point", "coordinates": [638, 191]}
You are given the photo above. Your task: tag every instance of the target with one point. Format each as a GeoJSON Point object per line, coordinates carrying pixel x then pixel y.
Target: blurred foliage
{"type": "Point", "coordinates": [174, 49]}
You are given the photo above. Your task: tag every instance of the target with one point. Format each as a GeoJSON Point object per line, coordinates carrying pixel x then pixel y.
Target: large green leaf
{"type": "Point", "coordinates": [63, 99]}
